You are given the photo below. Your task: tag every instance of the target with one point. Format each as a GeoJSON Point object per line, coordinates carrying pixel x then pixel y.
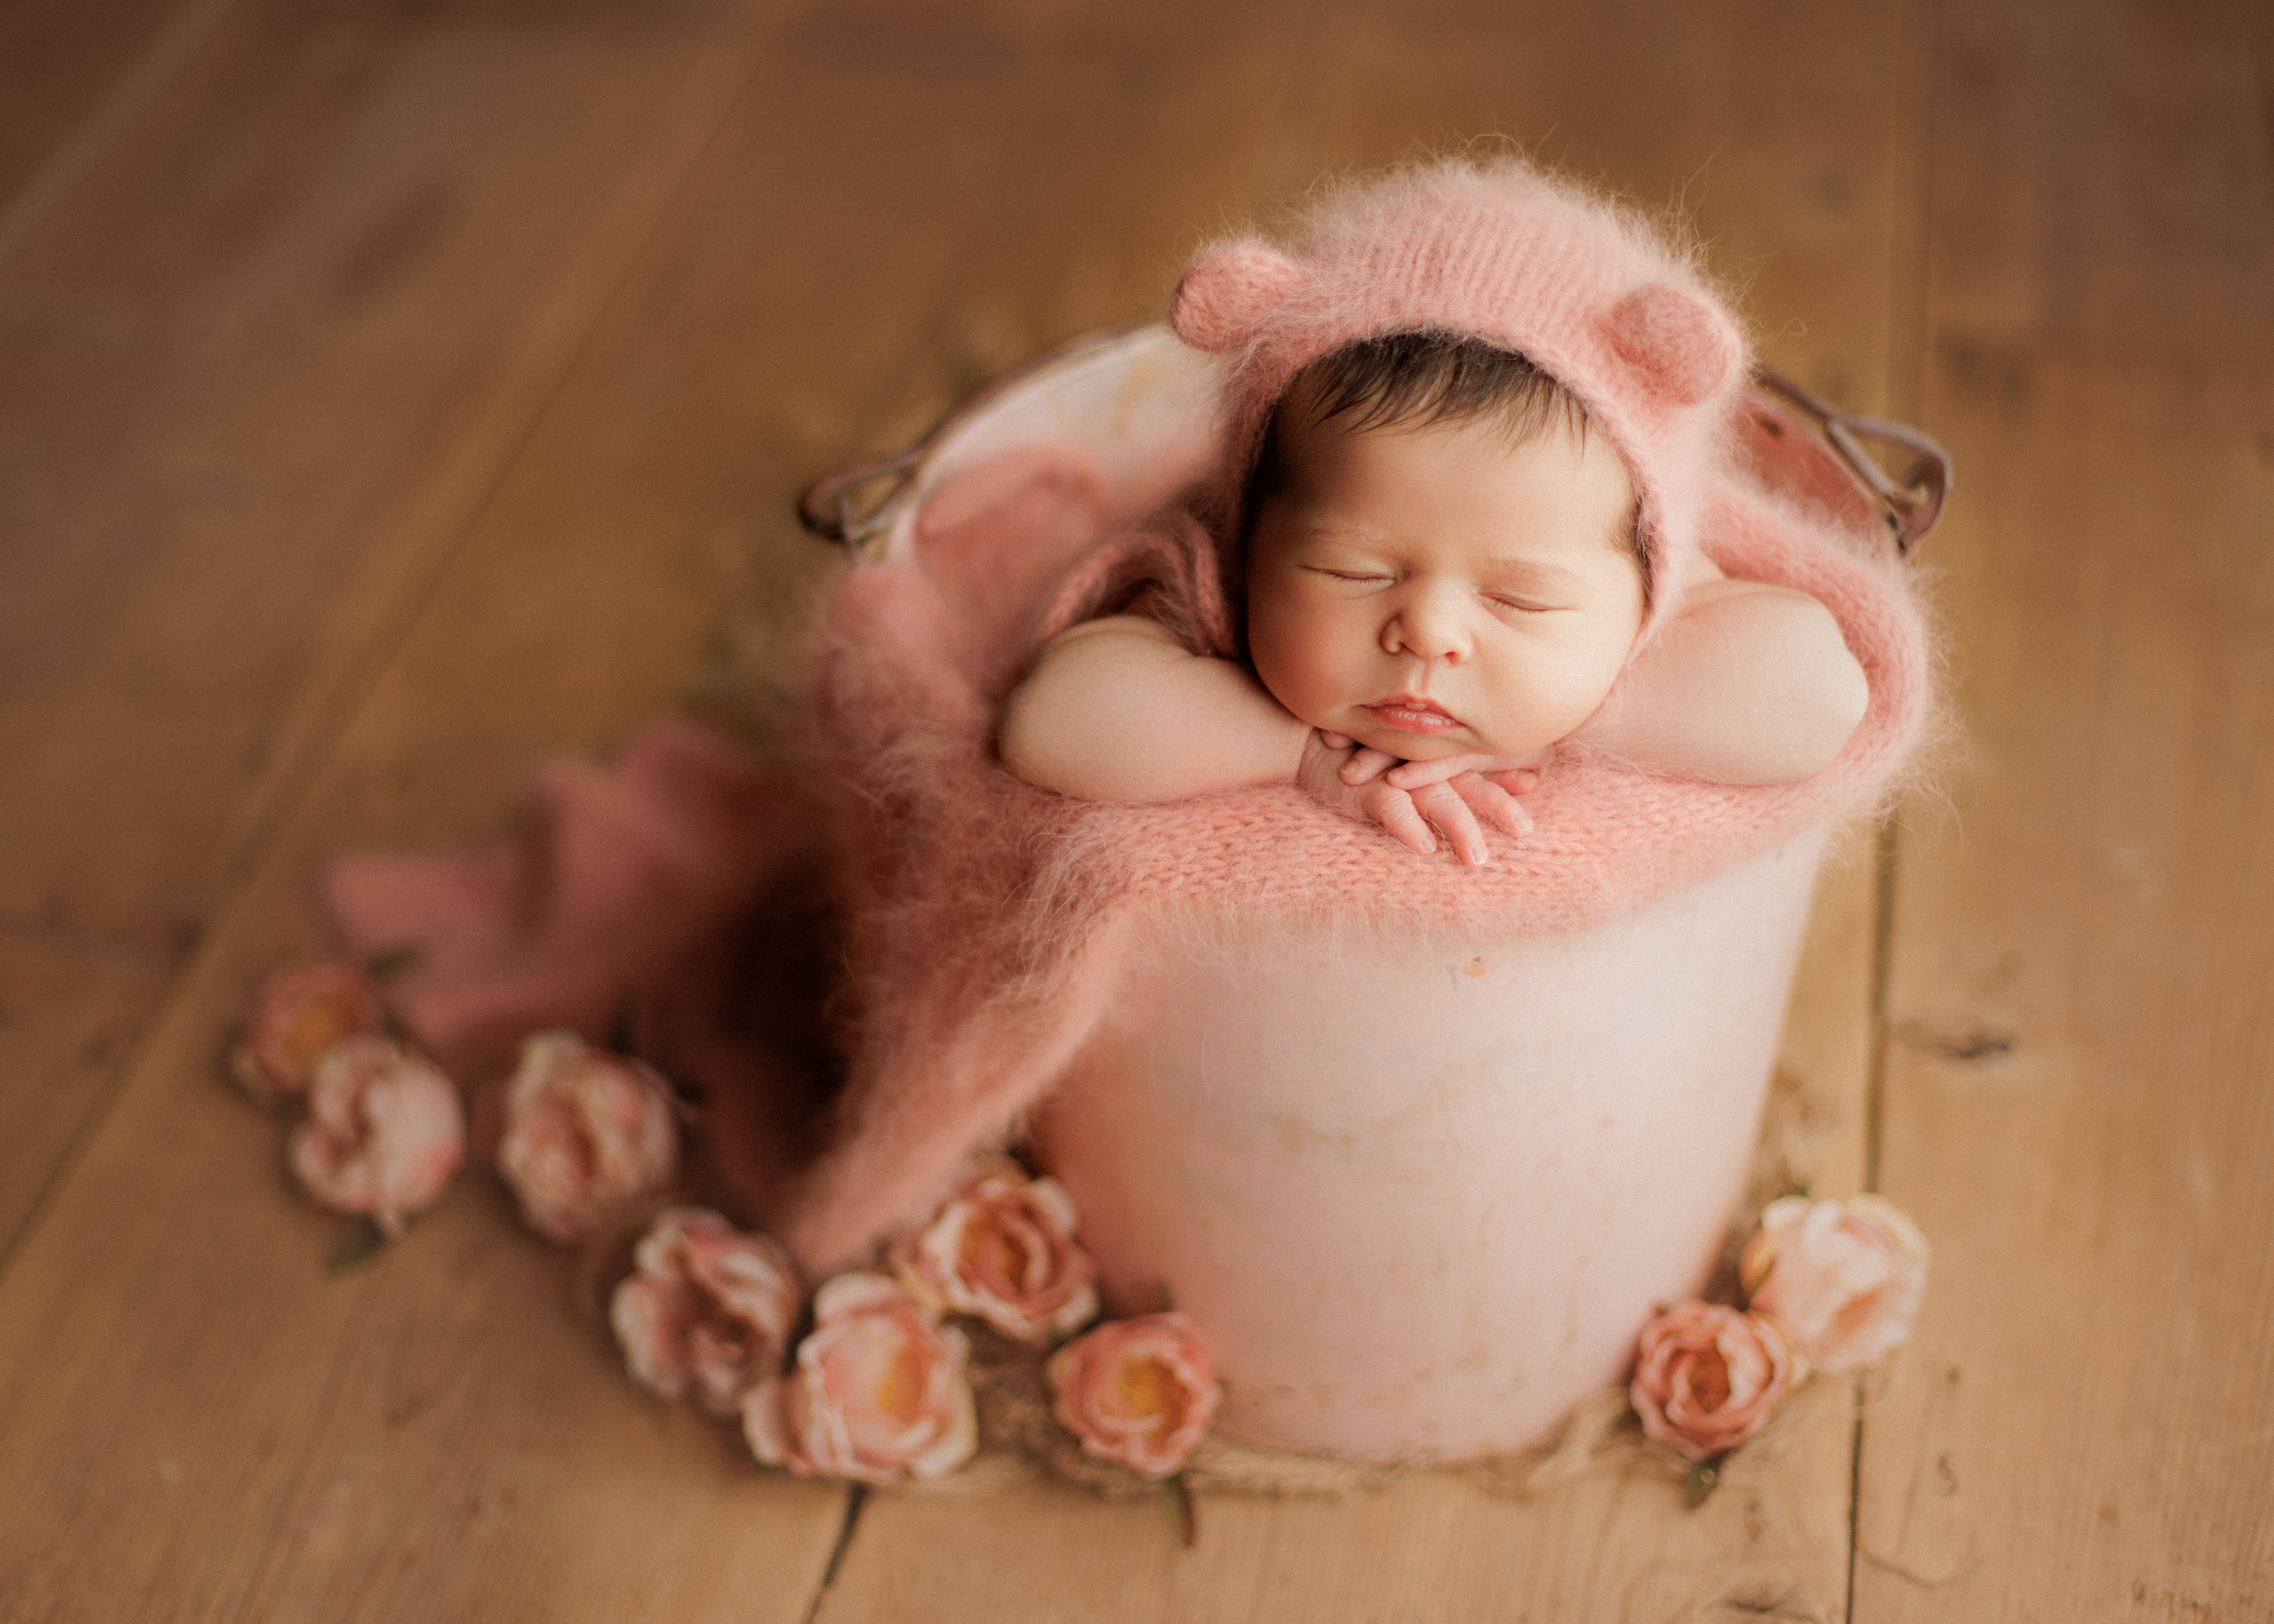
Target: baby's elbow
{"type": "Point", "coordinates": [1032, 750]}
{"type": "Point", "coordinates": [1791, 694]}
{"type": "Point", "coordinates": [1049, 744]}
{"type": "Point", "coordinates": [1823, 707]}
{"type": "Point", "coordinates": [1841, 700]}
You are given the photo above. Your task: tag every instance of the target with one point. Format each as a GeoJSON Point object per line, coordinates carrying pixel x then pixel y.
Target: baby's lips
{"type": "Point", "coordinates": [1407, 715]}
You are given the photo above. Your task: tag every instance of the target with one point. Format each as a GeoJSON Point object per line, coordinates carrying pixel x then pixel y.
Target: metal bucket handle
{"type": "Point", "coordinates": [1912, 505]}
{"type": "Point", "coordinates": [833, 507]}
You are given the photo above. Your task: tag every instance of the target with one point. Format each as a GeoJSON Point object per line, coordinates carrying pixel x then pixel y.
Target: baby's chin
{"type": "Point", "coordinates": [1411, 747]}
{"type": "Point", "coordinates": [1422, 746]}
{"type": "Point", "coordinates": [1433, 747]}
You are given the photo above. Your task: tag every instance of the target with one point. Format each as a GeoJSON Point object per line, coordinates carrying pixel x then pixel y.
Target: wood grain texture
{"type": "Point", "coordinates": [2081, 1004]}
{"type": "Point", "coordinates": [403, 391]}
{"type": "Point", "coordinates": [266, 359]}
{"type": "Point", "coordinates": [1437, 1546]}
{"type": "Point", "coordinates": [260, 380]}
{"type": "Point", "coordinates": [199, 1423]}
{"type": "Point", "coordinates": [69, 76]}
{"type": "Point", "coordinates": [439, 1437]}
{"type": "Point", "coordinates": [69, 1015]}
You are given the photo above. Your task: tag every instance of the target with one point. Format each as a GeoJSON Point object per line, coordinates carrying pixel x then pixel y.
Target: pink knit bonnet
{"type": "Point", "coordinates": [1582, 288]}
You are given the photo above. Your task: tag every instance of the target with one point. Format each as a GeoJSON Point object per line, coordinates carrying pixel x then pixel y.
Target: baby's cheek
{"type": "Point", "coordinates": [1585, 679]}
{"type": "Point", "coordinates": [1551, 686]}
{"type": "Point", "coordinates": [1296, 656]}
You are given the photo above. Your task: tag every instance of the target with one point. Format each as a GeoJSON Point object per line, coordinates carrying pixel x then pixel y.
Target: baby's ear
{"type": "Point", "coordinates": [1224, 298]}
{"type": "Point", "coordinates": [1682, 348]}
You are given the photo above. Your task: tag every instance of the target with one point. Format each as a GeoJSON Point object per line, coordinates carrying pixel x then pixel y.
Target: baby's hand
{"type": "Point", "coordinates": [1353, 782]}
{"type": "Point", "coordinates": [1517, 775]}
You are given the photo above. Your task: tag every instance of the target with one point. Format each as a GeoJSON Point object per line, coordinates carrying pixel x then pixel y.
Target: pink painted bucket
{"type": "Point", "coordinates": [1419, 1187]}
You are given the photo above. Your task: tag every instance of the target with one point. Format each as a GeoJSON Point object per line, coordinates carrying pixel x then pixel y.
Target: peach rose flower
{"type": "Point", "coordinates": [1139, 1391]}
{"type": "Point", "coordinates": [877, 1392]}
{"type": "Point", "coordinates": [1004, 1251]}
{"type": "Point", "coordinates": [709, 1309]}
{"type": "Point", "coordinates": [585, 1131]}
{"type": "Point", "coordinates": [1845, 1277]}
{"type": "Point", "coordinates": [1706, 1377]}
{"type": "Point", "coordinates": [384, 1134]}
{"type": "Point", "coordinates": [301, 1010]}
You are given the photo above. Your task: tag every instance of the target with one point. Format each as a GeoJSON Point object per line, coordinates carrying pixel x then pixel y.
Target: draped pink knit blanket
{"type": "Point", "coordinates": [984, 920]}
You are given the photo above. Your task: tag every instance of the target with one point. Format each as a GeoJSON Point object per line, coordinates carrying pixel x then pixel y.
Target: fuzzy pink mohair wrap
{"type": "Point", "coordinates": [1584, 289]}
{"type": "Point", "coordinates": [988, 918]}
{"type": "Point", "coordinates": [984, 920]}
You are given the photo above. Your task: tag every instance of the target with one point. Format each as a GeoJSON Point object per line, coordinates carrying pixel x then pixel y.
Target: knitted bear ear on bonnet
{"type": "Point", "coordinates": [1590, 293]}
{"type": "Point", "coordinates": [1679, 349]}
{"type": "Point", "coordinates": [1227, 296]}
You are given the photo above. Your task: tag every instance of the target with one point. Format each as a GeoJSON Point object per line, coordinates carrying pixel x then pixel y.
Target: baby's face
{"type": "Point", "coordinates": [1437, 591]}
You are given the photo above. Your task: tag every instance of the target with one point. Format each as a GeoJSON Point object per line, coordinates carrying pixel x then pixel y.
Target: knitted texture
{"type": "Point", "coordinates": [623, 869]}
{"type": "Point", "coordinates": [1587, 291]}
{"type": "Point", "coordinates": [988, 917]}
{"type": "Point", "coordinates": [983, 919]}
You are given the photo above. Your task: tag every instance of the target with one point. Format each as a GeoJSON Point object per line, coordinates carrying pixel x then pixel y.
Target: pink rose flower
{"type": "Point", "coordinates": [384, 1133]}
{"type": "Point", "coordinates": [1706, 1377]}
{"type": "Point", "coordinates": [710, 1308]}
{"type": "Point", "coordinates": [1845, 1278]}
{"type": "Point", "coordinates": [878, 1393]}
{"type": "Point", "coordinates": [585, 1131]}
{"type": "Point", "coordinates": [1004, 1251]}
{"type": "Point", "coordinates": [1139, 1391]}
{"type": "Point", "coordinates": [301, 1010]}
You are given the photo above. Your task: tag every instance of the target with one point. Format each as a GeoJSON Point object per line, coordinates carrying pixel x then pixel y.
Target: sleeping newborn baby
{"type": "Point", "coordinates": [1447, 571]}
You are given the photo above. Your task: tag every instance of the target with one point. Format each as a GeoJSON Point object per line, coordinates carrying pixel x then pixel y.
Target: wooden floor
{"type": "Point", "coordinates": [395, 392]}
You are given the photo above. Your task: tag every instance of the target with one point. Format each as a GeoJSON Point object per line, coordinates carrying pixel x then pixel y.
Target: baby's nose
{"type": "Point", "coordinates": [1426, 627]}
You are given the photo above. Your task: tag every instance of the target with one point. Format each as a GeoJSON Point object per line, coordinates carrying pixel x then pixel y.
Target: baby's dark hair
{"type": "Point", "coordinates": [1416, 380]}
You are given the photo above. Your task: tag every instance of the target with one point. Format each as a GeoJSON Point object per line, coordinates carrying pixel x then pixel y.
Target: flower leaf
{"type": "Point", "coordinates": [1183, 1511]}
{"type": "Point", "coordinates": [1705, 1478]}
{"type": "Point", "coordinates": [360, 1245]}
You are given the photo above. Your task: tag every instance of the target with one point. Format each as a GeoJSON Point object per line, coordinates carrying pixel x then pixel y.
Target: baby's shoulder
{"type": "Point", "coordinates": [1130, 622]}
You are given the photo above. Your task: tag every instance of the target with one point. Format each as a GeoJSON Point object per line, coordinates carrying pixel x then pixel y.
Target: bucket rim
{"type": "Point", "coordinates": [854, 505]}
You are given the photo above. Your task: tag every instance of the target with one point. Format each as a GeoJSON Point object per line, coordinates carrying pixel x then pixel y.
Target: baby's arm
{"type": "Point", "coordinates": [1118, 710]}
{"type": "Point", "coordinates": [1748, 684]}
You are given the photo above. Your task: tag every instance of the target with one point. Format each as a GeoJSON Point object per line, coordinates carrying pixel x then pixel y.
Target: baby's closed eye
{"type": "Point", "coordinates": [1524, 605]}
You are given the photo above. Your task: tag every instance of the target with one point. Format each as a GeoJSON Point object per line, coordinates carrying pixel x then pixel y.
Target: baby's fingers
{"type": "Point", "coordinates": [1442, 805]}
{"type": "Point", "coordinates": [1367, 765]}
{"type": "Point", "coordinates": [1394, 810]}
{"type": "Point", "coordinates": [1420, 774]}
{"type": "Point", "coordinates": [1493, 803]}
